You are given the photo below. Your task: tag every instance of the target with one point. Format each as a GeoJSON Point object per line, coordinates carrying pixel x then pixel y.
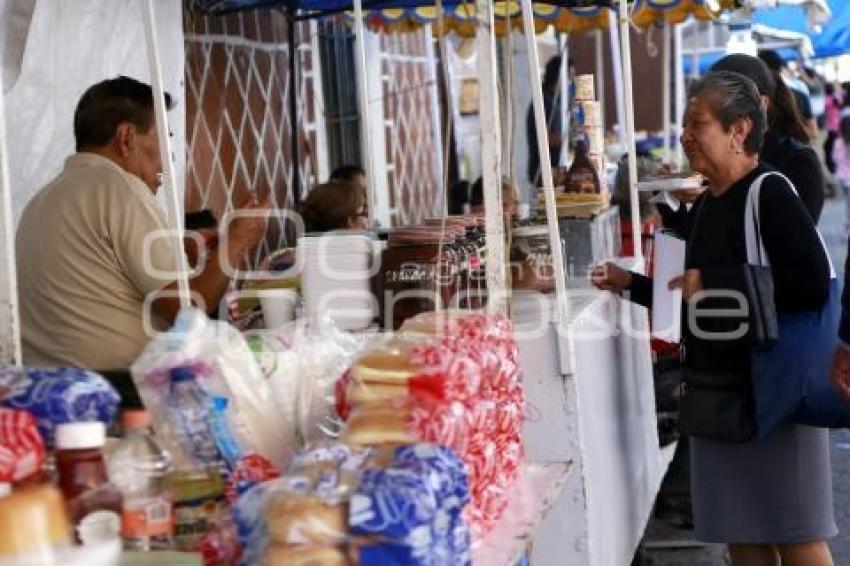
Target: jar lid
{"type": "Point", "coordinates": [531, 230]}
{"type": "Point", "coordinates": [81, 435]}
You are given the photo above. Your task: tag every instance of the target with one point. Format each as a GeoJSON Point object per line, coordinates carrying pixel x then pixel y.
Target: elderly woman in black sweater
{"type": "Point", "coordinates": [770, 499]}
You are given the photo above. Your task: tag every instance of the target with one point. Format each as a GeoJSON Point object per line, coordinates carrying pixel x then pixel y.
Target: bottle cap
{"type": "Point", "coordinates": [180, 374]}
{"type": "Point", "coordinates": [135, 419]}
{"type": "Point", "coordinates": [79, 436]}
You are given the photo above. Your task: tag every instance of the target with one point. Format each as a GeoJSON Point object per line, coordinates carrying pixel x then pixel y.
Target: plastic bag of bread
{"type": "Point", "coordinates": [400, 504]}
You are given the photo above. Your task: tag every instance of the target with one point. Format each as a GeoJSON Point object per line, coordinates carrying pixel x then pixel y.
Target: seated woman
{"type": "Point", "coordinates": [770, 500]}
{"type": "Point", "coordinates": [335, 206]}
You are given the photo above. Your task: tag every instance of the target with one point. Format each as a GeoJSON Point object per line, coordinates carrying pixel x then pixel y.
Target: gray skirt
{"type": "Point", "coordinates": [772, 491]}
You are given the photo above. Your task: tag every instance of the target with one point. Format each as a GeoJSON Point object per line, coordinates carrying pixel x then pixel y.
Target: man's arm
{"type": "Point", "coordinates": [243, 233]}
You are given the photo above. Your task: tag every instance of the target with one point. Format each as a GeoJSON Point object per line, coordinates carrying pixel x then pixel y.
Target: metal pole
{"type": "Point", "coordinates": [545, 164]}
{"type": "Point", "coordinates": [630, 127]}
{"type": "Point", "coordinates": [564, 44]}
{"type": "Point", "coordinates": [491, 159]}
{"type": "Point", "coordinates": [293, 107]}
{"type": "Point", "coordinates": [363, 100]}
{"type": "Point", "coordinates": [12, 332]}
{"type": "Point", "coordinates": [600, 74]}
{"type": "Point", "coordinates": [665, 92]}
{"type": "Point", "coordinates": [619, 95]}
{"type": "Point", "coordinates": [175, 207]}
{"type": "Point", "coordinates": [679, 78]}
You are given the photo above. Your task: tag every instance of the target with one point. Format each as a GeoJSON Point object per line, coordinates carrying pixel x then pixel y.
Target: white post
{"type": "Point", "coordinates": [363, 103]}
{"type": "Point", "coordinates": [665, 92]}
{"type": "Point", "coordinates": [600, 73]}
{"type": "Point", "coordinates": [564, 46]}
{"type": "Point", "coordinates": [619, 95]}
{"type": "Point", "coordinates": [12, 331]}
{"type": "Point", "coordinates": [679, 78]}
{"type": "Point", "coordinates": [491, 159]}
{"type": "Point", "coordinates": [545, 164]}
{"type": "Point", "coordinates": [630, 127]}
{"type": "Point", "coordinates": [175, 207]}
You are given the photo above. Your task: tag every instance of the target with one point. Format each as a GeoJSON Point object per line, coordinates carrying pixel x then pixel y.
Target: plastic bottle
{"type": "Point", "coordinates": [202, 424]}
{"type": "Point", "coordinates": [94, 504]}
{"type": "Point", "coordinates": [138, 466]}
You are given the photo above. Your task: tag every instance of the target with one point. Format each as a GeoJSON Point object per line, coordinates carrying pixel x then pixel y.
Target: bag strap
{"type": "Point", "coordinates": [756, 252]}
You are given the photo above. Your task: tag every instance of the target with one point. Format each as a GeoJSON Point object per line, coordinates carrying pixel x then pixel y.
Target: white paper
{"type": "Point", "coordinates": [669, 262]}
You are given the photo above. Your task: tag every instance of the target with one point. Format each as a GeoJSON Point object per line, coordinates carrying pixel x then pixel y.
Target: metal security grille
{"type": "Point", "coordinates": [339, 87]}
{"type": "Point", "coordinates": [238, 120]}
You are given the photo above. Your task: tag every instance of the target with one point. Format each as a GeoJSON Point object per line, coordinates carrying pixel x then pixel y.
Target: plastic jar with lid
{"type": "Point", "coordinates": [93, 503]}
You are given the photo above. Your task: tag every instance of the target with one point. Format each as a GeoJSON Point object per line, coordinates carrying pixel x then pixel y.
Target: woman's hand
{"type": "Point", "coordinates": [690, 282]}
{"type": "Point", "coordinates": [841, 370]}
{"type": "Point", "coordinates": [610, 277]}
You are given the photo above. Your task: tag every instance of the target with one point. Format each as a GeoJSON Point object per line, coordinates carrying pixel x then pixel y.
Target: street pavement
{"type": "Point", "coordinates": [666, 545]}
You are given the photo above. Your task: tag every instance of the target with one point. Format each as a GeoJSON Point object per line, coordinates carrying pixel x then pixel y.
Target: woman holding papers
{"type": "Point", "coordinates": [769, 499]}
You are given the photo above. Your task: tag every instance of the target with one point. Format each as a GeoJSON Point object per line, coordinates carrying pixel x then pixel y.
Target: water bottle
{"type": "Point", "coordinates": [138, 466]}
{"type": "Point", "coordinates": [190, 404]}
{"type": "Point", "coordinates": [201, 420]}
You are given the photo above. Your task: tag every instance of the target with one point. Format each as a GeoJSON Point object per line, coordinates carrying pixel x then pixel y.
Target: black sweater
{"type": "Point", "coordinates": [801, 165]}
{"type": "Point", "coordinates": [717, 248]}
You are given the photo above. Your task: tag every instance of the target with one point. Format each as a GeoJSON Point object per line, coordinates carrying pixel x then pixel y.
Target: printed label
{"type": "Point", "coordinates": [146, 517]}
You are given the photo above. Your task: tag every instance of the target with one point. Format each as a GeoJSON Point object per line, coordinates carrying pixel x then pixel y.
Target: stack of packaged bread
{"type": "Point", "coordinates": [451, 379]}
{"type": "Point", "coordinates": [340, 505]}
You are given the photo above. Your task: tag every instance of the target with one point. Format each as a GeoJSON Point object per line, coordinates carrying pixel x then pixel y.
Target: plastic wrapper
{"type": "Point", "coordinates": [398, 505]}
{"type": "Point", "coordinates": [58, 396]}
{"type": "Point", "coordinates": [209, 401]}
{"type": "Point", "coordinates": [22, 450]}
{"type": "Point", "coordinates": [451, 379]}
{"type": "Point", "coordinates": [302, 362]}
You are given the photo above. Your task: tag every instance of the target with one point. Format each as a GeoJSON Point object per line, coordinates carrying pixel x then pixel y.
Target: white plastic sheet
{"type": "Point", "coordinates": [70, 45]}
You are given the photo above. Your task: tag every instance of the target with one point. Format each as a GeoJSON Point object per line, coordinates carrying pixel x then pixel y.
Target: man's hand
{"type": "Point", "coordinates": [841, 370]}
{"type": "Point", "coordinates": [610, 277]}
{"type": "Point", "coordinates": [690, 282]}
{"type": "Point", "coordinates": [244, 231]}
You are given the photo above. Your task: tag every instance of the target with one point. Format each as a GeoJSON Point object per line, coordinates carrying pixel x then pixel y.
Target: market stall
{"type": "Point", "coordinates": [586, 386]}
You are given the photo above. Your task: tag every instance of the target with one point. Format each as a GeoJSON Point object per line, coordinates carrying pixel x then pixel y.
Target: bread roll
{"type": "Point", "coordinates": [306, 520]}
{"type": "Point", "coordinates": [384, 366]}
{"type": "Point", "coordinates": [378, 427]}
{"type": "Point", "coordinates": [360, 392]}
{"type": "Point", "coordinates": [300, 555]}
{"type": "Point", "coordinates": [33, 519]}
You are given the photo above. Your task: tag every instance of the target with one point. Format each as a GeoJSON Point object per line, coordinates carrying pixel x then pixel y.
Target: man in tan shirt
{"type": "Point", "coordinates": [87, 254]}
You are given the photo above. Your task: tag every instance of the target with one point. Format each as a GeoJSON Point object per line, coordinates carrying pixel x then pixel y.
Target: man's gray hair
{"type": "Point", "coordinates": [734, 97]}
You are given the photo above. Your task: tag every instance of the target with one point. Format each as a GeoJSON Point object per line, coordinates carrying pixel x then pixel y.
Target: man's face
{"type": "Point", "coordinates": [143, 158]}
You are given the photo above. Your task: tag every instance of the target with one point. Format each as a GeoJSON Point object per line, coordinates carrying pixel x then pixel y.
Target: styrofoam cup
{"type": "Point", "coordinates": [278, 306]}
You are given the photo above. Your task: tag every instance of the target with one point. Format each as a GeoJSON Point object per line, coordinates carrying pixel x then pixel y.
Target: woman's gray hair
{"type": "Point", "coordinates": [734, 97]}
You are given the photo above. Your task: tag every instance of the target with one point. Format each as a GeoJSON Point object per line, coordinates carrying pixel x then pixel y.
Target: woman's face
{"type": "Point", "coordinates": [707, 146]}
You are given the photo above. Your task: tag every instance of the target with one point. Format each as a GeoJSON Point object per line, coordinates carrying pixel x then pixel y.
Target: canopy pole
{"type": "Point", "coordinates": [625, 44]}
{"type": "Point", "coordinates": [679, 78]}
{"type": "Point", "coordinates": [12, 330]}
{"type": "Point", "coordinates": [600, 74]}
{"type": "Point", "coordinates": [175, 207]}
{"type": "Point", "coordinates": [491, 159]}
{"type": "Point", "coordinates": [665, 92]}
{"type": "Point", "coordinates": [619, 94]}
{"type": "Point", "coordinates": [564, 46]}
{"type": "Point", "coordinates": [545, 164]}
{"type": "Point", "coordinates": [293, 107]}
{"type": "Point", "coordinates": [363, 99]}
